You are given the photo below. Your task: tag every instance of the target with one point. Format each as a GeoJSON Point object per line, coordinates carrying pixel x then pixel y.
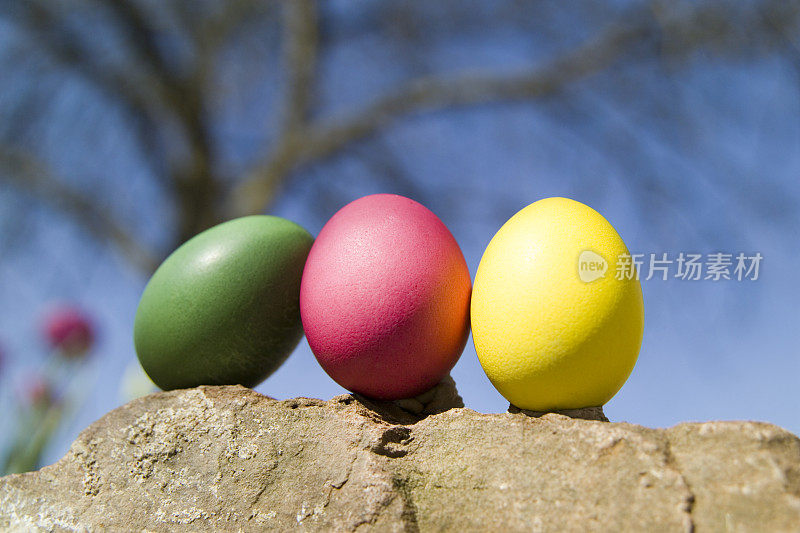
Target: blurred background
{"type": "Point", "coordinates": [128, 126]}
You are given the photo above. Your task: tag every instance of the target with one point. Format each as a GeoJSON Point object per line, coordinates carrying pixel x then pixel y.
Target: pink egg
{"type": "Point", "coordinates": [385, 298]}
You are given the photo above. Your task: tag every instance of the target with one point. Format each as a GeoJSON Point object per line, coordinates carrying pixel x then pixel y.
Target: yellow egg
{"type": "Point", "coordinates": [557, 317]}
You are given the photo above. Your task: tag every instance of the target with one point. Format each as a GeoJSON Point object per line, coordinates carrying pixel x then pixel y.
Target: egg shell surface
{"type": "Point", "coordinates": [545, 338]}
{"type": "Point", "coordinates": [224, 307]}
{"type": "Point", "coordinates": [385, 298]}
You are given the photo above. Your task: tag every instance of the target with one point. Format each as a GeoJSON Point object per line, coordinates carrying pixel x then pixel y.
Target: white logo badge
{"type": "Point", "coordinates": [591, 266]}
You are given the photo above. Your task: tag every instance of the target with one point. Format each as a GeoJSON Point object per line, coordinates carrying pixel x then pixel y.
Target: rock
{"type": "Point", "coordinates": [585, 413]}
{"type": "Point", "coordinates": [439, 399]}
{"type": "Point", "coordinates": [230, 459]}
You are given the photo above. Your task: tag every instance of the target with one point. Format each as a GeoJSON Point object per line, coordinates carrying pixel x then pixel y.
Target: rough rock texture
{"type": "Point", "coordinates": [229, 459]}
{"type": "Point", "coordinates": [585, 413]}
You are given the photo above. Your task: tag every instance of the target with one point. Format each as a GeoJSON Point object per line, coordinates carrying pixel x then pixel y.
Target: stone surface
{"type": "Point", "coordinates": [585, 413]}
{"type": "Point", "coordinates": [230, 459]}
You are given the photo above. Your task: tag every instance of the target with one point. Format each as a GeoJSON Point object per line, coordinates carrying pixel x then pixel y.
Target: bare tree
{"type": "Point", "coordinates": [158, 63]}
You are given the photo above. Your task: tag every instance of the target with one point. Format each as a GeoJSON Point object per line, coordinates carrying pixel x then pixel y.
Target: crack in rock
{"type": "Point", "coordinates": [688, 505]}
{"type": "Point", "coordinates": [393, 442]}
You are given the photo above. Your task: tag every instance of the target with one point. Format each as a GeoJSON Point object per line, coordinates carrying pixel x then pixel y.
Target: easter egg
{"type": "Point", "coordinates": [385, 298]}
{"type": "Point", "coordinates": [556, 323]}
{"type": "Point", "coordinates": [224, 307]}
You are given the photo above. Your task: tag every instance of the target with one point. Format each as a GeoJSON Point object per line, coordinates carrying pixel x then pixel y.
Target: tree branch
{"type": "Point", "coordinates": [131, 92]}
{"type": "Point", "coordinates": [322, 139]}
{"type": "Point", "coordinates": [150, 94]}
{"type": "Point", "coordinates": [193, 180]}
{"type": "Point", "coordinates": [690, 28]}
{"type": "Point", "coordinates": [300, 58]}
{"type": "Point", "coordinates": [141, 38]}
{"type": "Point", "coordinates": [382, 162]}
{"type": "Point", "coordinates": [29, 175]}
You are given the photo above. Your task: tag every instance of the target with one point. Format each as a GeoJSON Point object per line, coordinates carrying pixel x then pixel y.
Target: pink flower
{"type": "Point", "coordinates": [69, 331]}
{"type": "Point", "coordinates": [39, 392]}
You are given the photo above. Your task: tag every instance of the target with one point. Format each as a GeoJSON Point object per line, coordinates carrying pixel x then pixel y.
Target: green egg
{"type": "Point", "coordinates": [223, 309]}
